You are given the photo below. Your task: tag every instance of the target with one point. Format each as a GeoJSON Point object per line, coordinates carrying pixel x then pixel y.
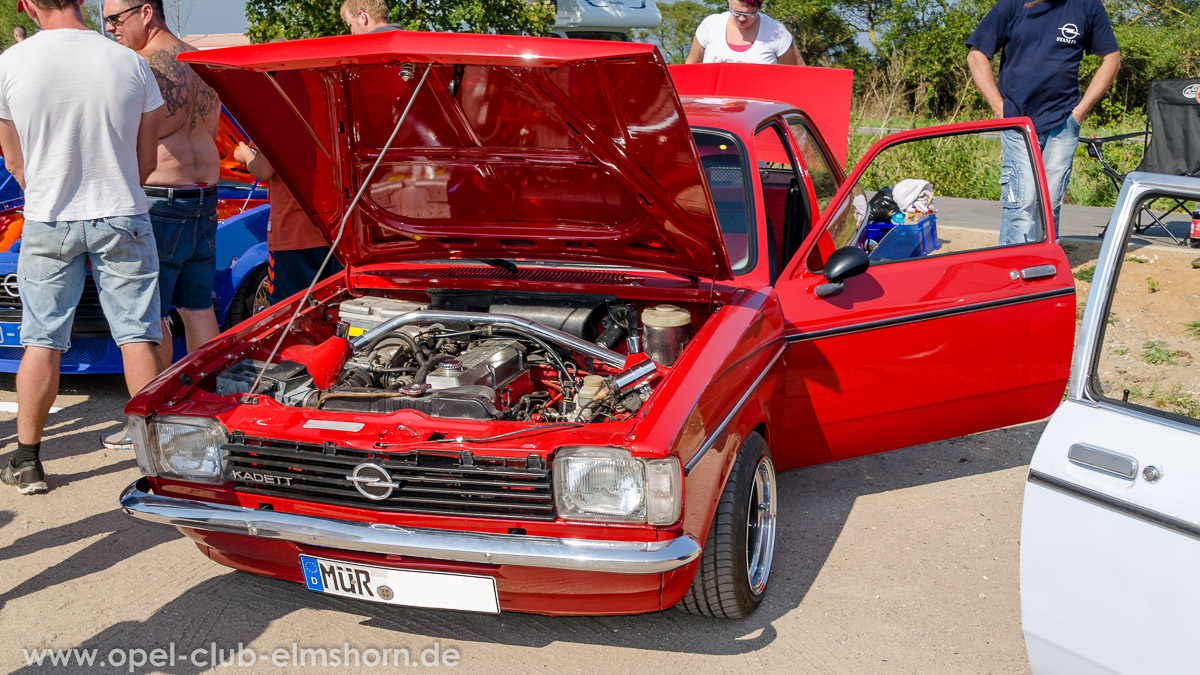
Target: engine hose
{"type": "Point", "coordinates": [416, 349]}
{"type": "Point", "coordinates": [429, 365]}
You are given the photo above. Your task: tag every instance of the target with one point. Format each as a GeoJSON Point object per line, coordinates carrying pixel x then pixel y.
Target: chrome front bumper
{"type": "Point", "coordinates": [590, 555]}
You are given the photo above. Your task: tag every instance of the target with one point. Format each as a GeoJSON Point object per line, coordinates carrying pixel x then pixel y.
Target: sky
{"type": "Point", "coordinates": [216, 16]}
{"type": "Point", "coordinates": [208, 16]}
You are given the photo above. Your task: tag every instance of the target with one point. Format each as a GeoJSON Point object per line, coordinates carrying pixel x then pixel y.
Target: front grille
{"type": "Point", "coordinates": [427, 481]}
{"type": "Point", "coordinates": [83, 350]}
{"type": "Point", "coordinates": [88, 300]}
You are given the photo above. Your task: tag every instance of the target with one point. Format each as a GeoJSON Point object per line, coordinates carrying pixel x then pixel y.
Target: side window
{"type": "Point", "coordinates": [724, 162]}
{"type": "Point", "coordinates": [783, 199]}
{"type": "Point", "coordinates": [1151, 328]}
{"type": "Point", "coordinates": [939, 196]}
{"type": "Point", "coordinates": [820, 169]}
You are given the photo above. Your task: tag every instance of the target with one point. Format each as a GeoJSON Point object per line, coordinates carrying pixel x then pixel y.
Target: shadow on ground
{"type": "Point", "coordinates": [816, 502]}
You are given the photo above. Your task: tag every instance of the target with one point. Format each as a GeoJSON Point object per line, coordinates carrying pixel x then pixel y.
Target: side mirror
{"type": "Point", "coordinates": [846, 262]}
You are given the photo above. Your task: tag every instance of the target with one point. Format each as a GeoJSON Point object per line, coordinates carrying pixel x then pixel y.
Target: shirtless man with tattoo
{"type": "Point", "coordinates": [182, 191]}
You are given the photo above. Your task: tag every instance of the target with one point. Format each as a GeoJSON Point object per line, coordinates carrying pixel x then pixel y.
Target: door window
{"type": "Point", "coordinates": [936, 196]}
{"type": "Point", "coordinates": [724, 161]}
{"type": "Point", "coordinates": [820, 170]}
{"type": "Point", "coordinates": [784, 201]}
{"type": "Point", "coordinates": [1151, 331]}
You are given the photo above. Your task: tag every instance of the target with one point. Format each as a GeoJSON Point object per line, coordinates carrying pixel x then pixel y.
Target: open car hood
{"type": "Point", "coordinates": [546, 149]}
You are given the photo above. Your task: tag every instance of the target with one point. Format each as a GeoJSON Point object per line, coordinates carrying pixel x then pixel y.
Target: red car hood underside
{"type": "Point", "coordinates": [550, 149]}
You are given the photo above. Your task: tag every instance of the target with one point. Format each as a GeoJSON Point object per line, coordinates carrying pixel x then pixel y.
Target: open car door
{"type": "Point", "coordinates": [946, 332]}
{"type": "Point", "coordinates": [1110, 531]}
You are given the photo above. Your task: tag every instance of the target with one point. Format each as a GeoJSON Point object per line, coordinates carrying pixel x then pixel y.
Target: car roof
{"type": "Point", "coordinates": [739, 115]}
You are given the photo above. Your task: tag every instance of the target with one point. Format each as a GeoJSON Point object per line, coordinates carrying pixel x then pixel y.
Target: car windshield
{"type": "Point", "coordinates": [724, 162]}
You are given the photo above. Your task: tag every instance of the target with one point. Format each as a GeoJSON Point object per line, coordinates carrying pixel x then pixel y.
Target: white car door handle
{"type": "Point", "coordinates": [1038, 272]}
{"type": "Point", "coordinates": [1104, 461]}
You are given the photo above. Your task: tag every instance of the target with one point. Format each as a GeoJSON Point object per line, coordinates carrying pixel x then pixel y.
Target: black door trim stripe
{"type": "Point", "coordinates": [929, 316]}
{"type": "Point", "coordinates": [1117, 505]}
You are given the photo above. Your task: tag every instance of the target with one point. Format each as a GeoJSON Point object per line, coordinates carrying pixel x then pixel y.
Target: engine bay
{"type": "Point", "coordinates": [477, 355]}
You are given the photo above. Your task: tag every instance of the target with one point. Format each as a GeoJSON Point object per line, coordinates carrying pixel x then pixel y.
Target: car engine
{"type": "Point", "coordinates": [478, 365]}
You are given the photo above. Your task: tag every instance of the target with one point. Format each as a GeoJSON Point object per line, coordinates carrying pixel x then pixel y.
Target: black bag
{"type": "Point", "coordinates": [882, 206]}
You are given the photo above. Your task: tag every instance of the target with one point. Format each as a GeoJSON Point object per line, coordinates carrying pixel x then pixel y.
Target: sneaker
{"type": "Point", "coordinates": [29, 477]}
{"type": "Point", "coordinates": [118, 440]}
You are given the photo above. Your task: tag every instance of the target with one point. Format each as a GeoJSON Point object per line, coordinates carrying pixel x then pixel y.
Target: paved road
{"type": "Point", "coordinates": [1076, 221]}
{"type": "Point", "coordinates": [904, 562]}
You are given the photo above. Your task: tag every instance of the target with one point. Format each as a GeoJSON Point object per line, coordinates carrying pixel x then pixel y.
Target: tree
{"type": "Point", "coordinates": [674, 35]}
{"type": "Point", "coordinates": [821, 31]}
{"type": "Point", "coordinates": [10, 18]}
{"type": "Point", "coordinates": [178, 12]}
{"type": "Point", "coordinates": [292, 19]}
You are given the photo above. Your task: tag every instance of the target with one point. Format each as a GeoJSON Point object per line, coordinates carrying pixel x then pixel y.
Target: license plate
{"type": "Point", "coordinates": [434, 590]}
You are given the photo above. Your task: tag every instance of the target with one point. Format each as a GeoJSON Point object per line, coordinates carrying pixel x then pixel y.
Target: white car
{"type": "Point", "coordinates": [1110, 532]}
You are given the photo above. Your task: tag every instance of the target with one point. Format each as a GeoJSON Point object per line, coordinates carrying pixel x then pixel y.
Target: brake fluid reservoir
{"type": "Point", "coordinates": [667, 330]}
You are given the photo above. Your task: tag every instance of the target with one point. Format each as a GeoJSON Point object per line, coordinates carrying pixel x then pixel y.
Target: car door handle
{"type": "Point", "coordinates": [1038, 272]}
{"type": "Point", "coordinates": [1104, 461]}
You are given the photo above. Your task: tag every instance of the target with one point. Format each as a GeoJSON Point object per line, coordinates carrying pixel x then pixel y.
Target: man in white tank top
{"type": "Point", "coordinates": [78, 121]}
{"type": "Point", "coordinates": [743, 35]}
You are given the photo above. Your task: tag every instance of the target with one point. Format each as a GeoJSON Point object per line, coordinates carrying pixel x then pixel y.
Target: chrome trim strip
{"type": "Point", "coordinates": [716, 434]}
{"type": "Point", "coordinates": [929, 316]}
{"type": "Point", "coordinates": [590, 555]}
{"type": "Point", "coordinates": [1116, 505]}
{"type": "Point", "coordinates": [1104, 461]}
{"type": "Point", "coordinates": [433, 316]}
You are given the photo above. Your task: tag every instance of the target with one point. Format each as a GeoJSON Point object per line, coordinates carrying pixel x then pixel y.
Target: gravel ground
{"type": "Point", "coordinates": [904, 562]}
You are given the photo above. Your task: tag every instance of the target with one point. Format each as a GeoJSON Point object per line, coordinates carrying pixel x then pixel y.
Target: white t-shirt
{"type": "Point", "coordinates": [77, 99]}
{"type": "Point", "coordinates": [772, 42]}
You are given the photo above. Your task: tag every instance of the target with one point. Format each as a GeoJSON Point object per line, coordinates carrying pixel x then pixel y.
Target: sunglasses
{"type": "Point", "coordinates": [115, 20]}
{"type": "Point", "coordinates": [749, 15]}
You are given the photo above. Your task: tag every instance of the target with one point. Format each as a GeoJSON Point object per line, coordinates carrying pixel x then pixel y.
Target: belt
{"type": "Point", "coordinates": [180, 193]}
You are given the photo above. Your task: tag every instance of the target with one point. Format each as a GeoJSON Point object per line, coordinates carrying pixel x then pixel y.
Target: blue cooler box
{"type": "Point", "coordinates": [905, 241]}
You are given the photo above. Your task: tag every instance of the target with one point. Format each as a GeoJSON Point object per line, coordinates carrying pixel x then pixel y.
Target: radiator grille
{"type": "Point", "coordinates": [425, 481]}
{"type": "Point", "coordinates": [89, 299]}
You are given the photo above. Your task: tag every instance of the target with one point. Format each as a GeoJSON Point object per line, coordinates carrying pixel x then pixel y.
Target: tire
{"type": "Point", "coordinates": [736, 563]}
{"type": "Point", "coordinates": [250, 299]}
{"type": "Point", "coordinates": [1193, 242]}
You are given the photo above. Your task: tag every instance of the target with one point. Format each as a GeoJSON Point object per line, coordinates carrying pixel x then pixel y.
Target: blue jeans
{"type": "Point", "coordinates": [186, 232]}
{"type": "Point", "coordinates": [51, 268]}
{"type": "Point", "coordinates": [1021, 218]}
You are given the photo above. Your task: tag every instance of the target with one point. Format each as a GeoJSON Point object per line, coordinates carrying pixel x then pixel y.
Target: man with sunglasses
{"type": "Point", "coordinates": [744, 35]}
{"type": "Point", "coordinates": [183, 189]}
{"type": "Point", "coordinates": [78, 123]}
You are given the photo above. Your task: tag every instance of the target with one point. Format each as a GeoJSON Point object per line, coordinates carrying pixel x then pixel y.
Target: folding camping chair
{"type": "Point", "coordinates": [1172, 143]}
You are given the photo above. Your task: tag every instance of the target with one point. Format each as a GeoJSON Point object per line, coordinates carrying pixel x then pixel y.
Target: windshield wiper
{"type": "Point", "coordinates": [501, 263]}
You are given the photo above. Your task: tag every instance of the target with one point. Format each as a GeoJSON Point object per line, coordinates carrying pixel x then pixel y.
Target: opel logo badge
{"type": "Point", "coordinates": [1069, 31]}
{"type": "Point", "coordinates": [1188, 92]}
{"type": "Point", "coordinates": [9, 286]}
{"type": "Point", "coordinates": [372, 481]}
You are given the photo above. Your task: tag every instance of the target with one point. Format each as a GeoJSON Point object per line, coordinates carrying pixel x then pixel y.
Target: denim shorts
{"type": "Point", "coordinates": [52, 265]}
{"type": "Point", "coordinates": [186, 233]}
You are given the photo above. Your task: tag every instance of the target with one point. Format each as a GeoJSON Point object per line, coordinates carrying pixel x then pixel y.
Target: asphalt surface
{"type": "Point", "coordinates": [1074, 221]}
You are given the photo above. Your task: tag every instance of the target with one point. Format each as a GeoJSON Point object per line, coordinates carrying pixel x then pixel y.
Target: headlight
{"type": "Point", "coordinates": [608, 485]}
{"type": "Point", "coordinates": [188, 448]}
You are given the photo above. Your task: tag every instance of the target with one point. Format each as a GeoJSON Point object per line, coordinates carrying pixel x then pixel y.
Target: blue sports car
{"type": "Point", "coordinates": [239, 289]}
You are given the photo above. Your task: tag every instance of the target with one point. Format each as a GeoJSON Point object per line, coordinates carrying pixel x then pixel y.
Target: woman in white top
{"type": "Point", "coordinates": [743, 35]}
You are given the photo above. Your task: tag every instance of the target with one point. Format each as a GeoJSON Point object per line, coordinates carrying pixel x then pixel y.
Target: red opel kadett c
{"type": "Point", "coordinates": [591, 306]}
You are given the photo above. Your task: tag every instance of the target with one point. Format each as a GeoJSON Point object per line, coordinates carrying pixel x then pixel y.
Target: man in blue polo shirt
{"type": "Point", "coordinates": [1042, 42]}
